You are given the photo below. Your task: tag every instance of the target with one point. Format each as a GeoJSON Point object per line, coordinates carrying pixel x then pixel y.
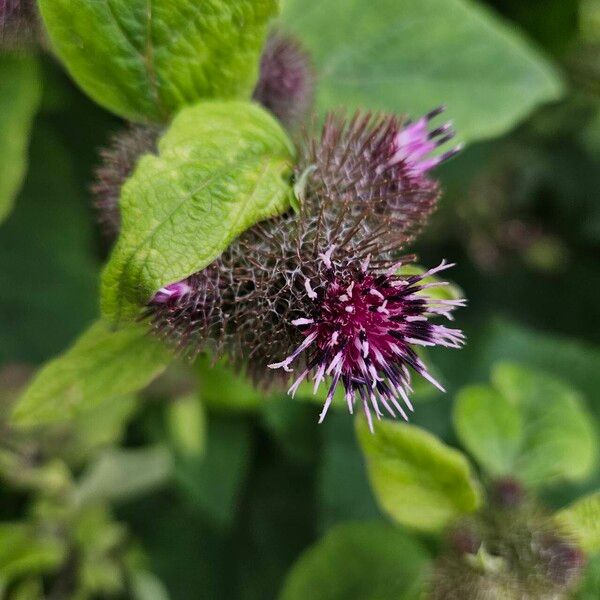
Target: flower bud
{"type": "Point", "coordinates": [507, 493]}
{"type": "Point", "coordinates": [286, 82]}
{"type": "Point", "coordinates": [20, 24]}
{"type": "Point", "coordinates": [118, 160]}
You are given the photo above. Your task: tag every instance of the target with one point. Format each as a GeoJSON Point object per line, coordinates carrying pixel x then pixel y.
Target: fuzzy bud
{"type": "Point", "coordinates": [507, 493]}
{"type": "Point", "coordinates": [20, 25]}
{"type": "Point", "coordinates": [118, 160]}
{"type": "Point", "coordinates": [520, 555]}
{"type": "Point", "coordinates": [286, 81]}
{"type": "Point", "coordinates": [382, 162]}
{"type": "Point", "coordinates": [464, 539]}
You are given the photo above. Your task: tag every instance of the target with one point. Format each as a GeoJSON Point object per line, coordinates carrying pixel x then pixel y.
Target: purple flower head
{"type": "Point", "coordinates": [378, 161]}
{"type": "Point", "coordinates": [361, 332]}
{"type": "Point", "coordinates": [286, 81]}
{"type": "Point", "coordinates": [318, 290]}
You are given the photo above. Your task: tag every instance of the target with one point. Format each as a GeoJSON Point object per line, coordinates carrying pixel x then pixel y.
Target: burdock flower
{"type": "Point", "coordinates": [381, 161]}
{"type": "Point", "coordinates": [361, 332]}
{"type": "Point", "coordinates": [319, 292]}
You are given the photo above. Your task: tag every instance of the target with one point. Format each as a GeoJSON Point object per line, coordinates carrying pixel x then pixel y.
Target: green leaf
{"type": "Point", "coordinates": [99, 426]}
{"type": "Point", "coordinates": [186, 423]}
{"type": "Point", "coordinates": [222, 166]}
{"type": "Point", "coordinates": [20, 94]}
{"type": "Point", "coordinates": [343, 490]}
{"type": "Point", "coordinates": [359, 561]}
{"type": "Point", "coordinates": [489, 426]}
{"type": "Point", "coordinates": [590, 586]}
{"type": "Point", "coordinates": [222, 389]}
{"type": "Point", "coordinates": [123, 474]}
{"type": "Point", "coordinates": [574, 361]}
{"type": "Point", "coordinates": [146, 586]}
{"type": "Point", "coordinates": [441, 292]}
{"type": "Point", "coordinates": [418, 480]}
{"type": "Point", "coordinates": [47, 256]}
{"type": "Point", "coordinates": [24, 551]}
{"type": "Point", "coordinates": [582, 520]}
{"type": "Point", "coordinates": [30, 589]}
{"type": "Point", "coordinates": [413, 55]}
{"type": "Point", "coordinates": [99, 540]}
{"type": "Point", "coordinates": [146, 59]}
{"type": "Point", "coordinates": [103, 363]}
{"type": "Point", "coordinates": [559, 441]}
{"type": "Point", "coordinates": [212, 482]}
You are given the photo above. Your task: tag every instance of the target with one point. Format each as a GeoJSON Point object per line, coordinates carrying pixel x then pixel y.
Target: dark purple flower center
{"type": "Point", "coordinates": [362, 333]}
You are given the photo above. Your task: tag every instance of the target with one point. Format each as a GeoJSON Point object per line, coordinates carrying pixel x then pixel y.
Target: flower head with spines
{"type": "Point", "coordinates": [319, 289]}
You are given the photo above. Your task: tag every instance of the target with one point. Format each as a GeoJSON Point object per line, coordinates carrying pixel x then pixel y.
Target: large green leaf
{"type": "Point", "coordinates": [103, 363]}
{"type": "Point", "coordinates": [144, 59]}
{"type": "Point", "coordinates": [582, 520]}
{"type": "Point", "coordinates": [489, 426]}
{"type": "Point", "coordinates": [559, 441]}
{"type": "Point", "coordinates": [20, 93]}
{"type": "Point", "coordinates": [417, 479]}
{"type": "Point", "coordinates": [412, 55]}
{"type": "Point", "coordinates": [359, 561]}
{"type": "Point", "coordinates": [222, 166]}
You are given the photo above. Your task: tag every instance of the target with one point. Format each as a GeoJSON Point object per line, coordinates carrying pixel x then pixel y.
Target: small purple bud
{"type": "Point", "coordinates": [464, 540]}
{"type": "Point", "coordinates": [171, 292]}
{"type": "Point", "coordinates": [286, 82]}
{"type": "Point", "coordinates": [19, 24]}
{"type": "Point", "coordinates": [507, 493]}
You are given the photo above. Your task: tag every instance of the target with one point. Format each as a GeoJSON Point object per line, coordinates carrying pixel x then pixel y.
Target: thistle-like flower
{"type": "Point", "coordinates": [286, 81]}
{"type": "Point", "coordinates": [380, 161]}
{"type": "Point", "coordinates": [320, 291]}
{"type": "Point", "coordinates": [361, 331]}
